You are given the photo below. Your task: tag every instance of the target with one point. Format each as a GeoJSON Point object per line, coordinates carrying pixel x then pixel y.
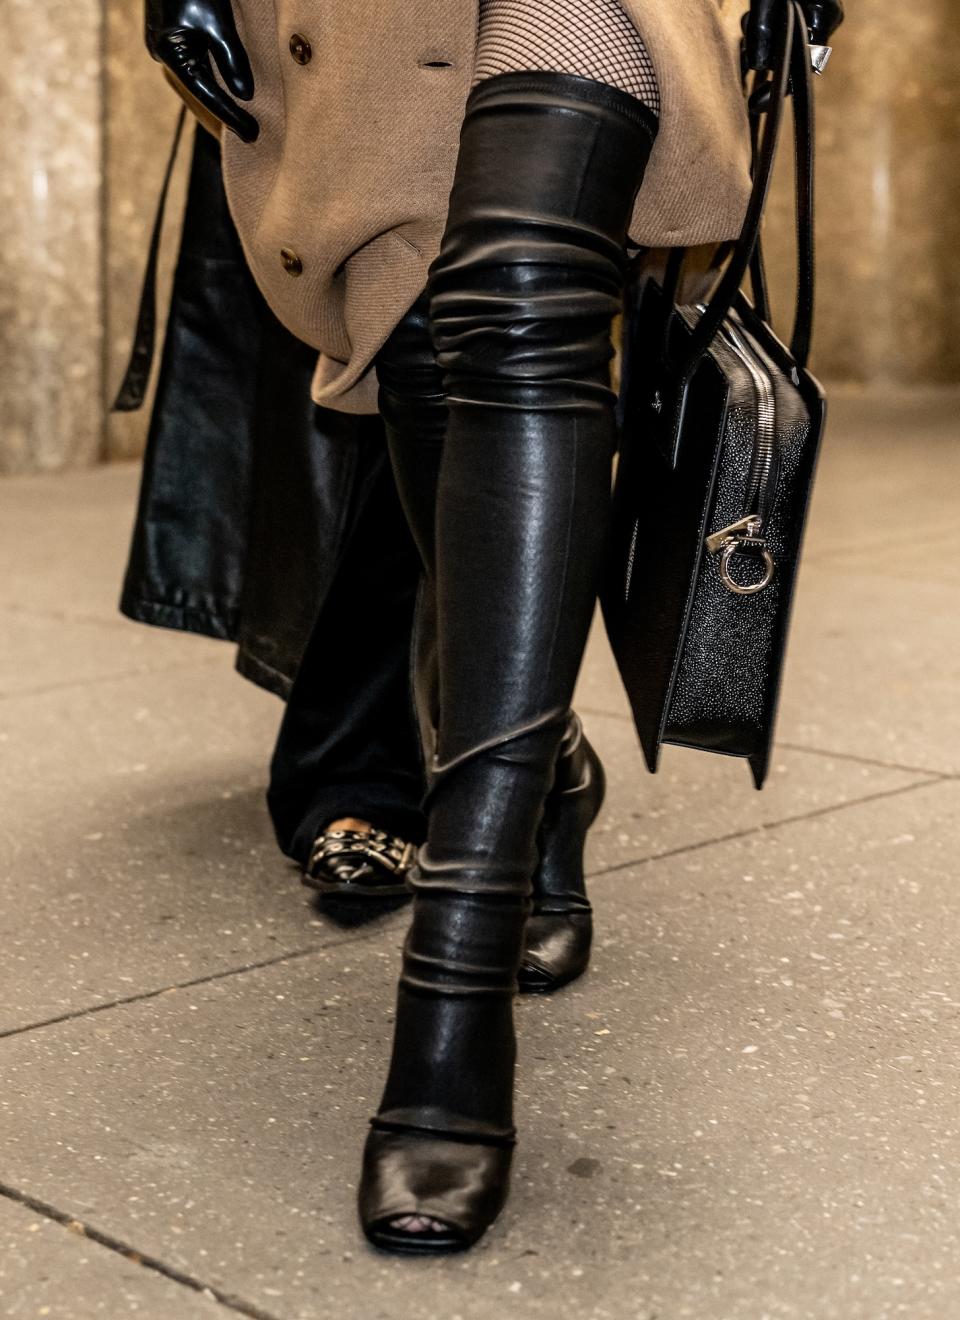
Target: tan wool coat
{"type": "Point", "coordinates": [341, 202]}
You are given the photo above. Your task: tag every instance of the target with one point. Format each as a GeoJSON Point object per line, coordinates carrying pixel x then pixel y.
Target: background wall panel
{"type": "Point", "coordinates": [888, 204]}
{"type": "Point", "coordinates": [51, 241]}
{"type": "Point", "coordinates": [89, 122]}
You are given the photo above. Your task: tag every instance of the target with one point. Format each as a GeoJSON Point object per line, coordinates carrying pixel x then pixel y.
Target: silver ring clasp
{"type": "Point", "coordinates": [742, 537]}
{"type": "Point", "coordinates": [734, 547]}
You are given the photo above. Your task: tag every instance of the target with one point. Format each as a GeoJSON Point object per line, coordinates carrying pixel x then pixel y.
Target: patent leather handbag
{"type": "Point", "coordinates": [722, 424]}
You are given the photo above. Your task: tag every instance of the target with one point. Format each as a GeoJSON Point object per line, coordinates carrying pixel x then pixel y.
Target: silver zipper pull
{"type": "Point", "coordinates": [749, 526]}
{"type": "Point", "coordinates": [820, 57]}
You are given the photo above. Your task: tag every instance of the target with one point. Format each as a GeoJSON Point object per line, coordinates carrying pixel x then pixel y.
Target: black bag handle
{"type": "Point", "coordinates": [791, 65]}
{"type": "Point", "coordinates": [801, 79]}
{"type": "Point", "coordinates": [758, 271]}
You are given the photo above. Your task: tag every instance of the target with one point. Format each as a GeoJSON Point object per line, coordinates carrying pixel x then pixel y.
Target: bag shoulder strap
{"type": "Point", "coordinates": [801, 78]}
{"type": "Point", "coordinates": [790, 66]}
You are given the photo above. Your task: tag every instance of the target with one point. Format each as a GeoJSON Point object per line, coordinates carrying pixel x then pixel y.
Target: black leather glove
{"type": "Point", "coordinates": [823, 18]}
{"type": "Point", "coordinates": [183, 35]}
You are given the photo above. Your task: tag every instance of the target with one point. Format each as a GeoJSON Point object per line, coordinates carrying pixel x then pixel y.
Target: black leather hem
{"type": "Point", "coordinates": [557, 85]}
{"type": "Point", "coordinates": [206, 620]}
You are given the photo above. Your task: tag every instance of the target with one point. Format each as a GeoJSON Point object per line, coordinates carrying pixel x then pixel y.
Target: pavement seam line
{"type": "Point", "coordinates": [67, 616]}
{"type": "Point", "coordinates": [297, 954]}
{"type": "Point", "coordinates": [142, 671]}
{"type": "Point", "coordinates": [144, 996]}
{"type": "Point", "coordinates": [131, 1254]}
{"type": "Point", "coordinates": [800, 747]}
{"type": "Point", "coordinates": [767, 826]}
{"type": "Point", "coordinates": [870, 760]}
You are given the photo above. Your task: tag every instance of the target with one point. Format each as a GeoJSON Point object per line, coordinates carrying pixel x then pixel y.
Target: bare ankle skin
{"type": "Point", "coordinates": [349, 823]}
{"type": "Point", "coordinates": [418, 1224]}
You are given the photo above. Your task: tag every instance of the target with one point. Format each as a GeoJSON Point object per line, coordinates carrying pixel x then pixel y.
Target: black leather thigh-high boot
{"type": "Point", "coordinates": [522, 295]}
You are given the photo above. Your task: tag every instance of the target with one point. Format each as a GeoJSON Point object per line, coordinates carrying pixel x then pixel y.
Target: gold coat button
{"type": "Point", "coordinates": [300, 48]}
{"type": "Point", "coordinates": [291, 261]}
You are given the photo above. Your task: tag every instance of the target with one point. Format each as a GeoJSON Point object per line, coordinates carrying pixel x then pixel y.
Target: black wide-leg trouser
{"type": "Point", "coordinates": [349, 744]}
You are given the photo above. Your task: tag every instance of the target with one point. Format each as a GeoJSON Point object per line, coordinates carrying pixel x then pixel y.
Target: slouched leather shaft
{"type": "Point", "coordinates": [523, 292]}
{"type": "Point", "coordinates": [519, 307]}
{"type": "Point", "coordinates": [522, 295]}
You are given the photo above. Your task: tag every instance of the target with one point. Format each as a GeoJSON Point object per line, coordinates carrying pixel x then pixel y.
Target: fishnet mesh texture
{"type": "Point", "coordinates": [592, 38]}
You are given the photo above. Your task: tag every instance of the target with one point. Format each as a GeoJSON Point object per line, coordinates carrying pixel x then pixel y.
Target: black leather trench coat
{"type": "Point", "coordinates": [249, 490]}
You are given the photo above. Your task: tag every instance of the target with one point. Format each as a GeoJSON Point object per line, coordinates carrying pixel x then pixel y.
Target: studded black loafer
{"type": "Point", "coordinates": [360, 864]}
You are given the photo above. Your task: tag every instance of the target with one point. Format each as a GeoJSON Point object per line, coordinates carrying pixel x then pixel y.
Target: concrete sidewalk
{"type": "Point", "coordinates": [748, 1109]}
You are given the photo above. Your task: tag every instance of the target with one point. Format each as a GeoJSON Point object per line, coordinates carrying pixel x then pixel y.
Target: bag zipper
{"type": "Point", "coordinates": [761, 468]}
{"type": "Point", "coordinates": [746, 534]}
{"type": "Point", "coordinates": [631, 559]}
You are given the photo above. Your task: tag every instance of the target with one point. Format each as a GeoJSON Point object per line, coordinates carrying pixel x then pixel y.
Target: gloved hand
{"type": "Point", "coordinates": [183, 35]}
{"type": "Point", "coordinates": [823, 18]}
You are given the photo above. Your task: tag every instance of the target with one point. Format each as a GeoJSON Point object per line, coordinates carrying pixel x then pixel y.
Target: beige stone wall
{"type": "Point", "coordinates": [88, 124]}
{"type": "Point", "coordinates": [888, 199]}
{"type": "Point", "coordinates": [139, 132]}
{"type": "Point", "coordinates": [51, 310]}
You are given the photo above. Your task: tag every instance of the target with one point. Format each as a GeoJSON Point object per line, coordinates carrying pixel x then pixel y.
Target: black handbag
{"type": "Point", "coordinates": [722, 424]}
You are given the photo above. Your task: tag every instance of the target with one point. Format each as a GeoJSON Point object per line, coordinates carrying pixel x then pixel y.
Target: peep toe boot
{"type": "Point", "coordinates": [441, 1144]}
{"type": "Point", "coordinates": [521, 300]}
